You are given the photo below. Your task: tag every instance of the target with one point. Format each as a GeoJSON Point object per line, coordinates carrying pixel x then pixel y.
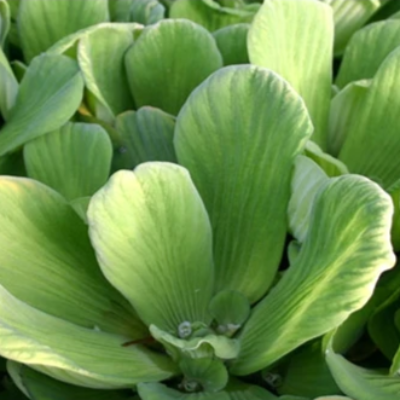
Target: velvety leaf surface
{"type": "Point", "coordinates": [351, 221]}
{"type": "Point", "coordinates": [294, 38]}
{"type": "Point", "coordinates": [211, 14]}
{"type": "Point", "coordinates": [74, 160]}
{"type": "Point", "coordinates": [372, 144]}
{"type": "Point", "coordinates": [232, 43]}
{"type": "Point", "coordinates": [145, 135]}
{"type": "Point", "coordinates": [361, 383]}
{"type": "Point", "coordinates": [48, 263]}
{"type": "Point", "coordinates": [153, 241]}
{"type": "Point", "coordinates": [241, 114]}
{"type": "Point", "coordinates": [42, 23]}
{"type": "Point", "coordinates": [101, 56]}
{"type": "Point", "coordinates": [49, 95]}
{"type": "Point", "coordinates": [366, 51]}
{"type": "Point", "coordinates": [189, 55]}
{"type": "Point", "coordinates": [76, 355]}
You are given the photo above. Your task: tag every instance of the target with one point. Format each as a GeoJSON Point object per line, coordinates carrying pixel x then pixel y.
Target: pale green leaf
{"type": "Point", "coordinates": [144, 12]}
{"type": "Point", "coordinates": [238, 390]}
{"type": "Point", "coordinates": [232, 43]}
{"type": "Point", "coordinates": [101, 56]}
{"type": "Point", "coordinates": [41, 23]}
{"type": "Point", "coordinates": [5, 15]}
{"type": "Point", "coordinates": [40, 387]}
{"type": "Point", "coordinates": [49, 95]}
{"type": "Point", "coordinates": [294, 38]}
{"type": "Point", "coordinates": [74, 354]}
{"type": "Point", "coordinates": [47, 261]}
{"type": "Point", "coordinates": [349, 16]}
{"type": "Point", "coordinates": [153, 241]}
{"type": "Point", "coordinates": [394, 191]}
{"type": "Point", "coordinates": [144, 135]}
{"type": "Point", "coordinates": [189, 55]}
{"type": "Point", "coordinates": [8, 86]}
{"type": "Point", "coordinates": [241, 114]}
{"type": "Point", "coordinates": [211, 14]}
{"type": "Point", "coordinates": [350, 221]}
{"type": "Point", "coordinates": [81, 205]}
{"type": "Point", "coordinates": [372, 144]}
{"type": "Point", "coordinates": [158, 391]}
{"type": "Point", "coordinates": [366, 51]}
{"type": "Point", "coordinates": [74, 160]}
{"type": "Point", "coordinates": [361, 383]}
{"type": "Point", "coordinates": [343, 107]}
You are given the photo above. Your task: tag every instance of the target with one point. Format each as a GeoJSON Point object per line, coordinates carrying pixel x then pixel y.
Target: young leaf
{"type": "Point", "coordinates": [232, 43]}
{"type": "Point", "coordinates": [41, 23]}
{"type": "Point", "coordinates": [48, 263]}
{"type": "Point", "coordinates": [101, 59]}
{"type": "Point", "coordinates": [49, 95]}
{"type": "Point", "coordinates": [372, 144]}
{"type": "Point", "coordinates": [74, 160]}
{"type": "Point", "coordinates": [294, 38]}
{"type": "Point", "coordinates": [145, 135]}
{"type": "Point", "coordinates": [73, 354]}
{"type": "Point", "coordinates": [367, 50]}
{"type": "Point", "coordinates": [144, 12]}
{"type": "Point", "coordinates": [241, 114]}
{"type": "Point", "coordinates": [153, 241]}
{"type": "Point", "coordinates": [351, 220]}
{"type": "Point", "coordinates": [189, 55]}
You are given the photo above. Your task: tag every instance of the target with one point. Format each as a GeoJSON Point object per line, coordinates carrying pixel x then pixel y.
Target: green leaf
{"type": "Point", "coordinates": [153, 241]}
{"type": "Point", "coordinates": [241, 114]}
{"type": "Point", "coordinates": [73, 354]}
{"type": "Point", "coordinates": [361, 383]}
{"type": "Point", "coordinates": [367, 50]}
{"type": "Point", "coordinates": [41, 387]}
{"type": "Point", "coordinates": [307, 373]}
{"type": "Point", "coordinates": [74, 160]}
{"type": "Point", "coordinates": [344, 105]}
{"type": "Point", "coordinates": [240, 391]}
{"type": "Point", "coordinates": [204, 373]}
{"type": "Point", "coordinates": [371, 144]}
{"type": "Point", "coordinates": [196, 344]}
{"type": "Point", "coordinates": [182, 46]}
{"type": "Point", "coordinates": [294, 38]}
{"type": "Point", "coordinates": [81, 206]}
{"type": "Point", "coordinates": [232, 43]}
{"type": "Point", "coordinates": [394, 192]}
{"type": "Point", "coordinates": [349, 16]}
{"type": "Point", "coordinates": [8, 86]}
{"type": "Point", "coordinates": [49, 95]}
{"type": "Point", "coordinates": [158, 391]}
{"type": "Point", "coordinates": [308, 178]}
{"type": "Point", "coordinates": [41, 23]}
{"type": "Point", "coordinates": [211, 14]}
{"type": "Point", "coordinates": [101, 56]}
{"type": "Point", "coordinates": [48, 263]}
{"type": "Point", "coordinates": [350, 221]}
{"type": "Point", "coordinates": [5, 22]}
{"type": "Point", "coordinates": [144, 12]}
{"type": "Point", "coordinates": [145, 135]}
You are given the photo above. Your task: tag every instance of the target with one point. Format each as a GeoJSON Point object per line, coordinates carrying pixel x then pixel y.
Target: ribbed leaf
{"type": "Point", "coordinates": [144, 12]}
{"type": "Point", "coordinates": [351, 220]}
{"type": "Point", "coordinates": [366, 51]}
{"type": "Point", "coordinates": [394, 192]}
{"type": "Point", "coordinates": [41, 23]}
{"type": "Point", "coordinates": [101, 56]}
{"type": "Point", "coordinates": [47, 261]}
{"type": "Point", "coordinates": [189, 55]}
{"type": "Point", "coordinates": [294, 38]}
{"type": "Point", "coordinates": [232, 43]}
{"type": "Point", "coordinates": [153, 240]}
{"type": "Point", "coordinates": [241, 114]}
{"type": "Point", "coordinates": [372, 144]}
{"type": "Point", "coordinates": [49, 95]}
{"type": "Point", "coordinates": [8, 86]}
{"type": "Point", "coordinates": [241, 391]}
{"type": "Point", "coordinates": [74, 354]}
{"type": "Point", "coordinates": [74, 160]}
{"type": "Point", "coordinates": [145, 135]}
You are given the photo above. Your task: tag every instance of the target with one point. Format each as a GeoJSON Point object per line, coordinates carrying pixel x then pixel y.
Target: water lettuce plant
{"type": "Point", "coordinates": [219, 225]}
